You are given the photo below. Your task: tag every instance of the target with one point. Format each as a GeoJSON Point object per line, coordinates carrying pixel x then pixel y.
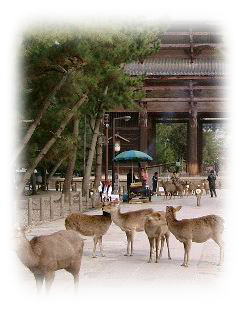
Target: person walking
{"type": "Point", "coordinates": [155, 182]}
{"type": "Point", "coordinates": [211, 180]}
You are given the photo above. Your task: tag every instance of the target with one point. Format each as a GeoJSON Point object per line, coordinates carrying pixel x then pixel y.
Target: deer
{"type": "Point", "coordinates": [157, 232]}
{"type": "Point", "coordinates": [130, 222]}
{"type": "Point", "coordinates": [189, 188]}
{"type": "Point", "coordinates": [206, 186]}
{"type": "Point", "coordinates": [198, 230]}
{"type": "Point", "coordinates": [169, 188]}
{"type": "Point", "coordinates": [43, 255]}
{"type": "Point", "coordinates": [90, 225]}
{"type": "Point", "coordinates": [179, 188]}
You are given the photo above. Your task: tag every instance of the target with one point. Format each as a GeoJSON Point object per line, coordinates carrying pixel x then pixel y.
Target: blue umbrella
{"type": "Point", "coordinates": [134, 156]}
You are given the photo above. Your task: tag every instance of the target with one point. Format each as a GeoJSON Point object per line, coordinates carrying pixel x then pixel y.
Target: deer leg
{"type": "Point", "coordinates": [95, 240]}
{"type": "Point", "coordinates": [151, 249]}
{"type": "Point", "coordinates": [153, 246]}
{"type": "Point", "coordinates": [220, 243]}
{"type": "Point", "coordinates": [101, 246]}
{"type": "Point", "coordinates": [167, 243]}
{"type": "Point", "coordinates": [189, 243]}
{"type": "Point", "coordinates": [49, 278]}
{"type": "Point", "coordinates": [76, 280]}
{"type": "Point", "coordinates": [132, 242]}
{"type": "Point", "coordinates": [187, 247]}
{"type": "Point", "coordinates": [158, 240]}
{"type": "Point", "coordinates": [162, 239]}
{"type": "Point", "coordinates": [185, 255]}
{"type": "Point", "coordinates": [128, 242]}
{"type": "Point", "coordinates": [39, 278]}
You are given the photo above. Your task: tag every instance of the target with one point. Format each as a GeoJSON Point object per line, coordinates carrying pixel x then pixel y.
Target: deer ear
{"type": "Point", "coordinates": [178, 208]}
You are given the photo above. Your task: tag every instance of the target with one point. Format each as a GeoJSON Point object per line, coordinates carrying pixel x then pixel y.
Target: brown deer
{"type": "Point", "coordinates": [157, 231]}
{"type": "Point", "coordinates": [169, 188]}
{"type": "Point", "coordinates": [206, 186]}
{"type": "Point", "coordinates": [198, 230]}
{"type": "Point", "coordinates": [44, 255]}
{"type": "Point", "coordinates": [130, 222]}
{"type": "Point", "coordinates": [179, 188]}
{"type": "Point", "coordinates": [90, 225]}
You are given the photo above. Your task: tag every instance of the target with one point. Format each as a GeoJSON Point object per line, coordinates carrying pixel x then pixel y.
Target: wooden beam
{"type": "Point", "coordinates": [195, 45]}
{"type": "Point", "coordinates": [170, 120]}
{"type": "Point", "coordinates": [191, 46]}
{"type": "Point", "coordinates": [162, 87]}
{"type": "Point", "coordinates": [183, 77]}
{"type": "Point", "coordinates": [184, 107]}
{"type": "Point", "coordinates": [187, 33]}
{"type": "Point", "coordinates": [187, 99]}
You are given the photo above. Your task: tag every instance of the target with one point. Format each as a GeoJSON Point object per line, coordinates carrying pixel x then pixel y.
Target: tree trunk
{"type": "Point", "coordinates": [33, 184]}
{"type": "Point", "coordinates": [43, 186]}
{"type": "Point", "coordinates": [53, 171]}
{"type": "Point", "coordinates": [72, 158]}
{"type": "Point", "coordinates": [98, 172]}
{"type": "Point", "coordinates": [45, 106]}
{"type": "Point", "coordinates": [49, 144]}
{"type": "Point", "coordinates": [86, 179]}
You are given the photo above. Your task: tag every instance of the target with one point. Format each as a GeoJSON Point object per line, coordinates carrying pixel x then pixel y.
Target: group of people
{"type": "Point", "coordinates": [105, 188]}
{"type": "Point", "coordinates": [143, 178]}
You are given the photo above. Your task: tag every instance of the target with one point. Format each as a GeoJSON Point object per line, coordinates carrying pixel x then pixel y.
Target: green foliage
{"type": "Point", "coordinates": [170, 142]}
{"type": "Point", "coordinates": [95, 61]}
{"type": "Point", "coordinates": [213, 146]}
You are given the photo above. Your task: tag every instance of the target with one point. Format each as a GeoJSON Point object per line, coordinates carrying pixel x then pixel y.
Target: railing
{"type": "Point", "coordinates": [50, 208]}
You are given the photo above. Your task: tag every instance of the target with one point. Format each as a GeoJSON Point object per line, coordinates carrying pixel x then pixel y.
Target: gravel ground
{"type": "Point", "coordinates": [118, 270]}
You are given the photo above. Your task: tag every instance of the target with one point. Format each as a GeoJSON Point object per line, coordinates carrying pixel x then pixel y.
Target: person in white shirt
{"type": "Point", "coordinates": [107, 191]}
{"type": "Point", "coordinates": [100, 190]}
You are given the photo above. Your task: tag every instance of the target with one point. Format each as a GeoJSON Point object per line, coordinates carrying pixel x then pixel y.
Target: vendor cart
{"type": "Point", "coordinates": [140, 191]}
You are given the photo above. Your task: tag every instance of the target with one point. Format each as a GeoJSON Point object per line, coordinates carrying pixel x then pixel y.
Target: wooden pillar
{"type": "Point", "coordinates": [200, 146]}
{"type": "Point", "coordinates": [41, 209]}
{"type": "Point", "coordinates": [51, 209]}
{"type": "Point", "coordinates": [62, 211]}
{"type": "Point", "coordinates": [151, 136]}
{"type": "Point", "coordinates": [193, 141]}
{"type": "Point", "coordinates": [80, 201]}
{"type": "Point", "coordinates": [143, 125]}
{"type": "Point", "coordinates": [30, 211]}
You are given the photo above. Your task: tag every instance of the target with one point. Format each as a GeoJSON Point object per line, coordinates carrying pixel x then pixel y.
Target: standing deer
{"type": "Point", "coordinates": [130, 222]}
{"type": "Point", "coordinates": [198, 230]}
{"type": "Point", "coordinates": [90, 225]}
{"type": "Point", "coordinates": [157, 231]}
{"type": "Point", "coordinates": [44, 255]}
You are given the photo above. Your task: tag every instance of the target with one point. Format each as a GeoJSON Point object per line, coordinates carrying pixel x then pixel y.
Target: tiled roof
{"type": "Point", "coordinates": [166, 67]}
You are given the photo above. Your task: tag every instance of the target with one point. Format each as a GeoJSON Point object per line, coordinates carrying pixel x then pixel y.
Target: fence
{"type": "Point", "coordinates": [49, 208]}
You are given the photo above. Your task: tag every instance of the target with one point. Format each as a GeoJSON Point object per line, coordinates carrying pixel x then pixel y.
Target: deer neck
{"type": "Point", "coordinates": [171, 219]}
{"type": "Point", "coordinates": [26, 253]}
{"type": "Point", "coordinates": [116, 216]}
